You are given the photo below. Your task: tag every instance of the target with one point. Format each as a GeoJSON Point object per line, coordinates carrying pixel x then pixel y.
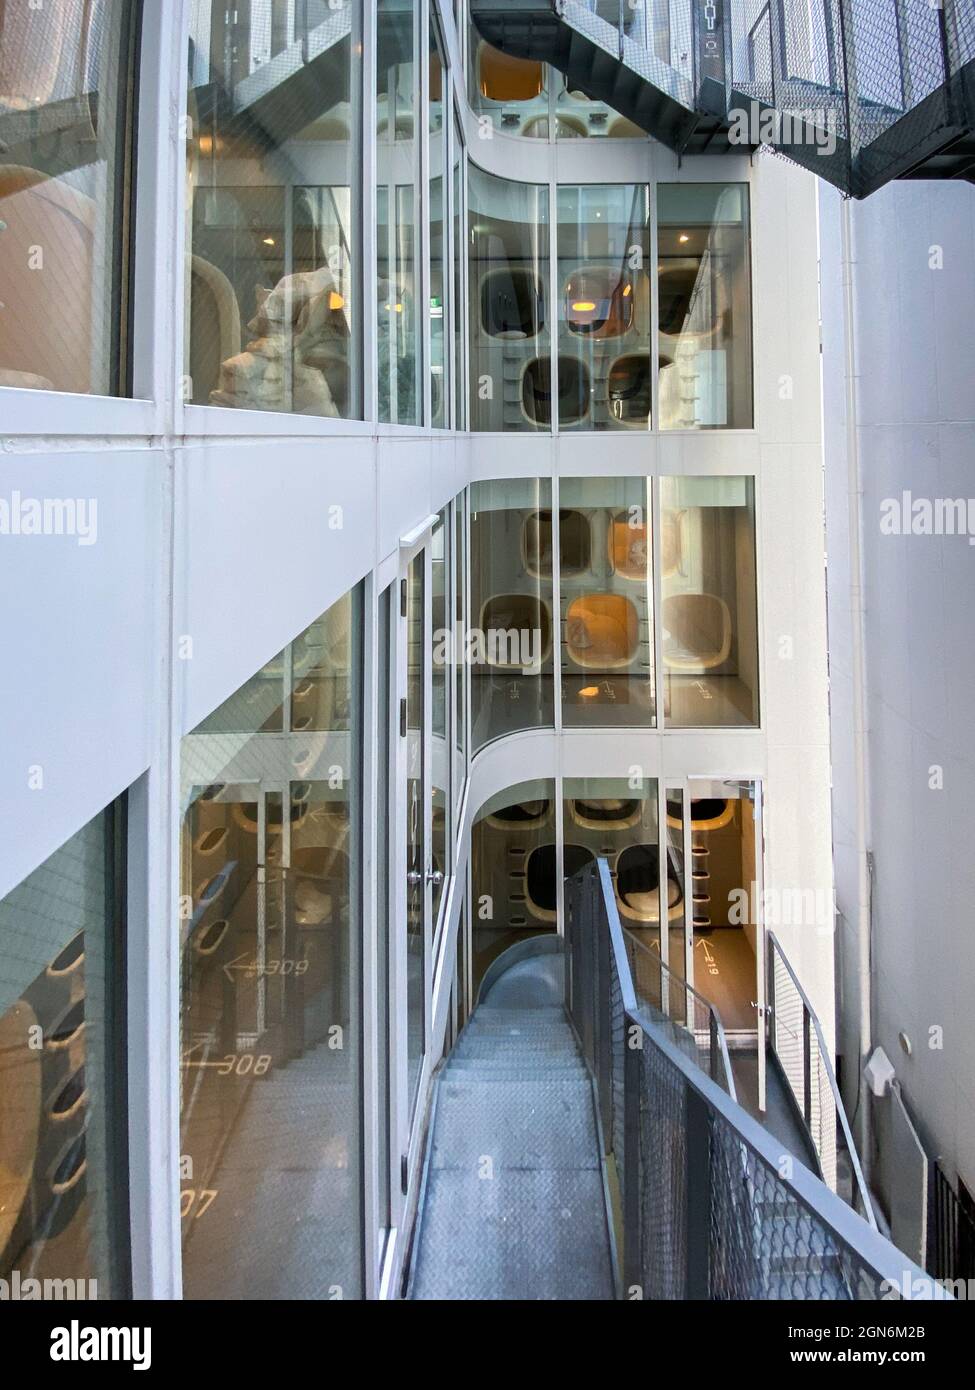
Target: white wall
{"type": "Point", "coordinates": [915, 366]}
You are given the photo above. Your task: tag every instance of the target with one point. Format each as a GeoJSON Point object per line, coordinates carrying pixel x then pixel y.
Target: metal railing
{"type": "Point", "coordinates": [794, 1033]}
{"type": "Point", "coordinates": [708, 1211]}
{"type": "Point", "coordinates": [857, 91]}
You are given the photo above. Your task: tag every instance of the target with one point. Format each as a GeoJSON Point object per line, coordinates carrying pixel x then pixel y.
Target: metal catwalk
{"type": "Point", "coordinates": [514, 1202]}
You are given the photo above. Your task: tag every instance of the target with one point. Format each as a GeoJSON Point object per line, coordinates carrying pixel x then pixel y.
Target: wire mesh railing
{"type": "Point", "coordinates": [691, 1023]}
{"type": "Point", "coordinates": [709, 1209]}
{"type": "Point", "coordinates": [795, 1035]}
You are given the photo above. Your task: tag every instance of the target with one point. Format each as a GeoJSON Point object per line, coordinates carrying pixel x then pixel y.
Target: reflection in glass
{"type": "Point", "coordinates": [62, 1167]}
{"type": "Point", "coordinates": [416, 918]}
{"type": "Point", "coordinates": [384, 903]}
{"type": "Point", "coordinates": [511, 646]}
{"type": "Point", "coordinates": [513, 871]}
{"type": "Point", "coordinates": [437, 181]}
{"type": "Point", "coordinates": [460, 643]}
{"type": "Point", "coordinates": [521, 96]}
{"type": "Point", "coordinates": [704, 294]}
{"type": "Point", "coordinates": [397, 202]}
{"type": "Point", "coordinates": [457, 317]}
{"type": "Point", "coordinates": [270, 1008]}
{"type": "Point", "coordinates": [606, 589]}
{"type": "Point", "coordinates": [66, 72]}
{"type": "Point", "coordinates": [274, 223]}
{"type": "Point", "coordinates": [508, 276]}
{"type": "Point", "coordinates": [604, 306]}
{"type": "Point", "coordinates": [441, 750]}
{"type": "Point", "coordinates": [708, 607]}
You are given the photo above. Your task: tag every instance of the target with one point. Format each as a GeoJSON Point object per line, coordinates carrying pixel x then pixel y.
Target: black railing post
{"type": "Point", "coordinates": [634, 1276]}
{"type": "Point", "coordinates": [604, 1029]}
{"type": "Point", "coordinates": [698, 1196]}
{"type": "Point", "coordinates": [806, 1069]}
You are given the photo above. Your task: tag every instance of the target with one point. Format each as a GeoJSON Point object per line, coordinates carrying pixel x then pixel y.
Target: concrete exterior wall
{"type": "Point", "coordinates": [913, 248]}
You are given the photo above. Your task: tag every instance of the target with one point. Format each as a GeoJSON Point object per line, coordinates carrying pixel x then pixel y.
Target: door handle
{"type": "Point", "coordinates": [435, 877]}
{"type": "Point", "coordinates": [413, 877]}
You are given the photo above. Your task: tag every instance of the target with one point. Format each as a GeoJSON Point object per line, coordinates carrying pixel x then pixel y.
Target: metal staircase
{"type": "Point", "coordinates": [857, 91]}
{"type": "Point", "coordinates": [539, 1098]}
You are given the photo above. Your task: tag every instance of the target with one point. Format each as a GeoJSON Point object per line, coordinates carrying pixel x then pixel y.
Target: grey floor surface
{"type": "Point", "coordinates": [514, 1206]}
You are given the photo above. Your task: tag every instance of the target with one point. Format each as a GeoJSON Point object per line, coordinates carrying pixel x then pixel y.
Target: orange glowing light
{"type": "Point", "coordinates": [335, 300]}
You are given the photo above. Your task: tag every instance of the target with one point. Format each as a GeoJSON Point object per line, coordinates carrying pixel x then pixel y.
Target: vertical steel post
{"type": "Point", "coordinates": [806, 1069]}
{"type": "Point", "coordinates": [698, 1195]}
{"type": "Point", "coordinates": [634, 1280]}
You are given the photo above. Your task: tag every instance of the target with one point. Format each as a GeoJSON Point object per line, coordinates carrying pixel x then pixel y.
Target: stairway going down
{"type": "Point", "coordinates": [514, 1201]}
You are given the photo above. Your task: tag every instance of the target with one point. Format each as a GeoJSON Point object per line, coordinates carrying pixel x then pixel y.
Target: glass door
{"type": "Point", "coordinates": [724, 944]}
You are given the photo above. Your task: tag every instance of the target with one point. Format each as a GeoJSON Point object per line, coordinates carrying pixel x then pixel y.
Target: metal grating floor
{"type": "Point", "coordinates": [514, 1203]}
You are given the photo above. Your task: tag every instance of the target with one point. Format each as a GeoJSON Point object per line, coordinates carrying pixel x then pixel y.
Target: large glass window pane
{"type": "Point", "coordinates": [274, 225]}
{"type": "Point", "coordinates": [704, 305]}
{"type": "Point", "coordinates": [509, 91]}
{"type": "Point", "coordinates": [439, 382]}
{"type": "Point", "coordinates": [724, 834]}
{"type": "Point", "coordinates": [384, 754]}
{"type": "Point", "coordinates": [271, 977]}
{"type": "Point", "coordinates": [616, 818]}
{"type": "Point", "coordinates": [604, 307]}
{"type": "Point", "coordinates": [441, 748]}
{"type": "Point", "coordinates": [460, 644]}
{"type": "Point", "coordinates": [457, 316]}
{"type": "Point", "coordinates": [510, 373]}
{"type": "Point", "coordinates": [708, 601]}
{"type": "Point", "coordinates": [513, 632]}
{"type": "Point", "coordinates": [63, 1194]}
{"type": "Point", "coordinates": [521, 96]}
{"type": "Point", "coordinates": [416, 868]}
{"type": "Point", "coordinates": [606, 597]}
{"type": "Point", "coordinates": [513, 872]}
{"type": "Point", "coordinates": [397, 214]}
{"type": "Point", "coordinates": [66, 91]}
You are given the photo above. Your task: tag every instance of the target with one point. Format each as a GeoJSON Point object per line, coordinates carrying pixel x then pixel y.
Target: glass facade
{"type": "Point", "coordinates": [63, 1117]}
{"type": "Point", "coordinates": [399, 325]}
{"type": "Point", "coordinates": [416, 858]}
{"type": "Point", "coordinates": [604, 307]}
{"type": "Point", "coordinates": [512, 628]}
{"type": "Point", "coordinates": [270, 945]}
{"type": "Point", "coordinates": [513, 872]}
{"type": "Point", "coordinates": [704, 305]}
{"type": "Point", "coordinates": [67, 71]}
{"type": "Point", "coordinates": [510, 324]}
{"type": "Point", "coordinates": [438, 186]}
{"type": "Point", "coordinates": [519, 96]}
{"type": "Point", "coordinates": [709, 611]}
{"type": "Point", "coordinates": [613, 602]}
{"type": "Point", "coordinates": [616, 818]}
{"type": "Point", "coordinates": [441, 751]}
{"type": "Point", "coordinates": [273, 273]}
{"type": "Point", "coordinates": [606, 599]}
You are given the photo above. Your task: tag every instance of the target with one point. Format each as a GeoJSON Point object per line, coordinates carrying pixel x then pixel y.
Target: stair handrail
{"type": "Point", "coordinates": [676, 985]}
{"type": "Point", "coordinates": [710, 1210]}
{"type": "Point", "coordinates": [813, 1027]}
